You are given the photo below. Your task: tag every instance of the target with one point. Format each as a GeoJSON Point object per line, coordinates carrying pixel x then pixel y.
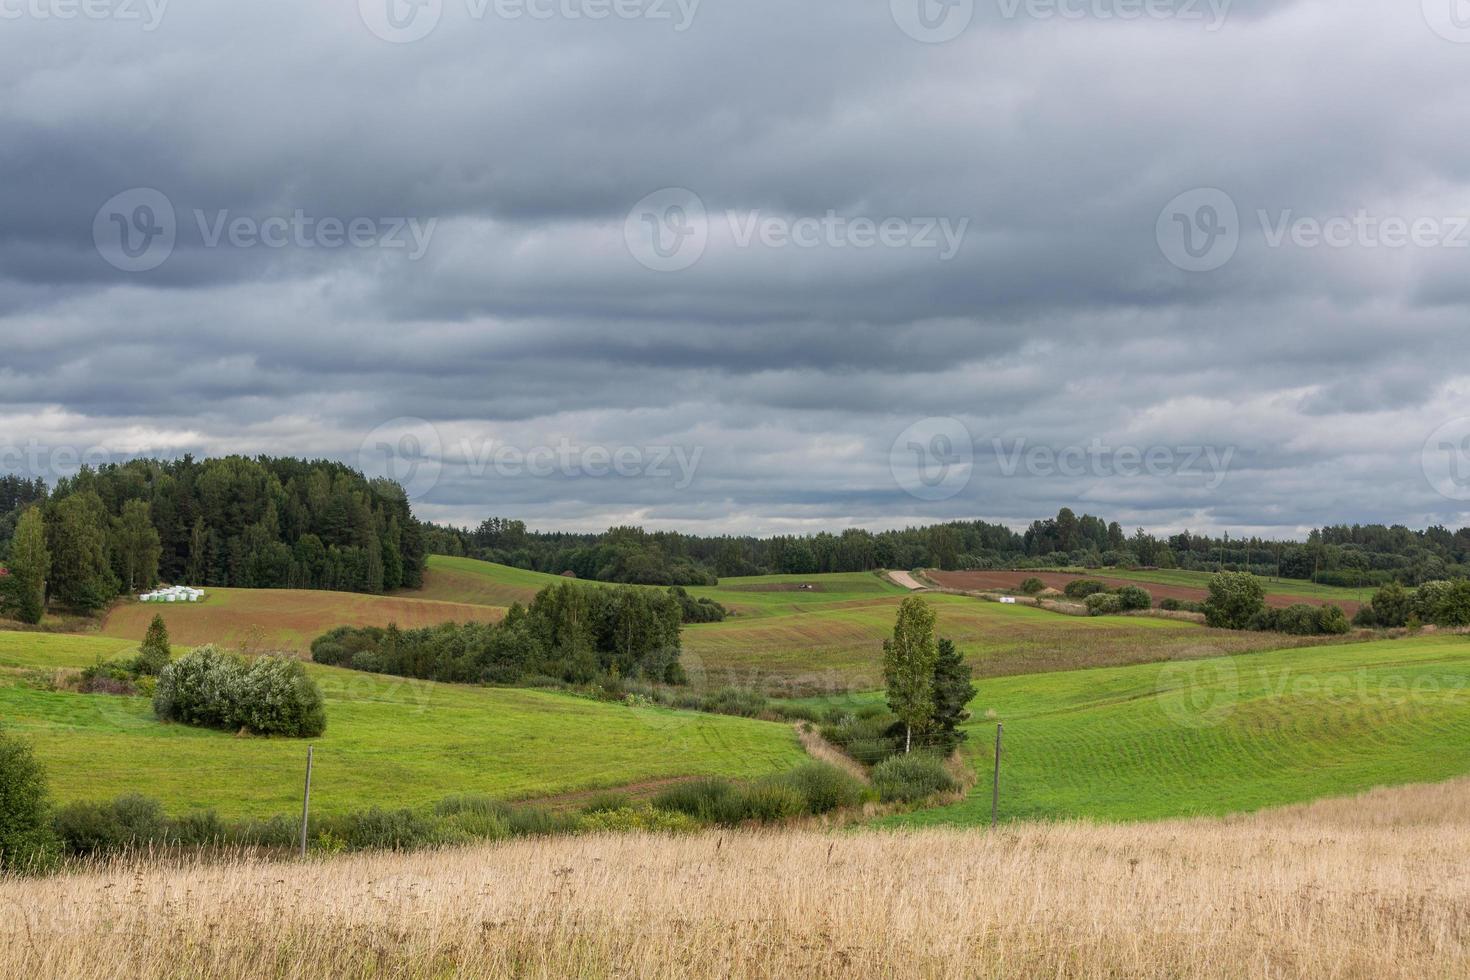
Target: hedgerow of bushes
{"type": "Point", "coordinates": [87, 829]}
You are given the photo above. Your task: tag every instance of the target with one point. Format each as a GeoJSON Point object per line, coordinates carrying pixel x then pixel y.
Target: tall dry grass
{"type": "Point", "coordinates": [1374, 887]}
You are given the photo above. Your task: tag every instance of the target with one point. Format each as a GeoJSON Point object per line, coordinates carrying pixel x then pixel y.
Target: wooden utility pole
{"type": "Point", "coordinates": [306, 801]}
{"type": "Point", "coordinates": [995, 786]}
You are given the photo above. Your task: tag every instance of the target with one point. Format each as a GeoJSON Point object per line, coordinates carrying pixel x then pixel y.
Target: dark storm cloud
{"type": "Point", "coordinates": [1053, 136]}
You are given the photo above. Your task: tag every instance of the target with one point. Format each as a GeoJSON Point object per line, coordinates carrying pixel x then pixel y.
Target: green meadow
{"type": "Point", "coordinates": [1219, 736]}
{"type": "Point", "coordinates": [389, 742]}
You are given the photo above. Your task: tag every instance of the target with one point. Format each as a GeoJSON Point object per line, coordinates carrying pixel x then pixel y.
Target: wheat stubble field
{"type": "Point", "coordinates": [1370, 887]}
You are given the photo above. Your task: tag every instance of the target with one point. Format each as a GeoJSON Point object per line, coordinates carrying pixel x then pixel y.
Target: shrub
{"type": "Point", "coordinates": [1299, 619]}
{"type": "Point", "coordinates": [824, 787]}
{"type": "Point", "coordinates": [1172, 605]}
{"type": "Point", "coordinates": [199, 688]}
{"type": "Point", "coordinates": [1390, 607]}
{"type": "Point", "coordinates": [381, 830]}
{"type": "Point", "coordinates": [911, 777]}
{"type": "Point", "coordinates": [1132, 597]}
{"type": "Point", "coordinates": [1235, 597]}
{"type": "Point", "coordinates": [871, 751]}
{"type": "Point", "coordinates": [612, 800]}
{"type": "Point", "coordinates": [127, 822]}
{"type": "Point", "coordinates": [1031, 586]}
{"type": "Point", "coordinates": [631, 818]}
{"type": "Point", "coordinates": [703, 799]}
{"type": "Point", "coordinates": [107, 677]}
{"type": "Point", "coordinates": [1332, 621]}
{"type": "Point", "coordinates": [26, 840]}
{"type": "Point", "coordinates": [528, 821]}
{"type": "Point", "coordinates": [1083, 587]}
{"type": "Point", "coordinates": [271, 696]}
{"type": "Point", "coordinates": [1103, 604]}
{"type": "Point", "coordinates": [275, 697]}
{"type": "Point", "coordinates": [154, 654]}
{"type": "Point", "coordinates": [1366, 617]}
{"type": "Point", "coordinates": [768, 801]}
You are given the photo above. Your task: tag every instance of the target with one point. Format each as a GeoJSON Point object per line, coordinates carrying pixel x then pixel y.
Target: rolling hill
{"type": "Point", "coordinates": [389, 742]}
{"type": "Point", "coordinates": [1222, 735]}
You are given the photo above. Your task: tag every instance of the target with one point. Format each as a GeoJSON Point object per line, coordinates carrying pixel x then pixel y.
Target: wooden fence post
{"type": "Point", "coordinates": [306, 801]}
{"type": "Point", "coordinates": [995, 786]}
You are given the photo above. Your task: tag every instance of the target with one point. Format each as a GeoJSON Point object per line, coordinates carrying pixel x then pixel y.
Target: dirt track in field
{"type": "Point", "coordinates": [1010, 581]}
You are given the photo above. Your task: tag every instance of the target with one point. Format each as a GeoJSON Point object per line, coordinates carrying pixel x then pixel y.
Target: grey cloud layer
{"type": "Point", "coordinates": [527, 321]}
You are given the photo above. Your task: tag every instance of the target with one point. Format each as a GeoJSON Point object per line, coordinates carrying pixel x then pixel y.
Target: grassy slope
{"type": "Point", "coordinates": [1274, 586]}
{"type": "Point", "coordinates": [789, 641]}
{"type": "Point", "coordinates": [389, 742]}
{"type": "Point", "coordinates": [1221, 735]}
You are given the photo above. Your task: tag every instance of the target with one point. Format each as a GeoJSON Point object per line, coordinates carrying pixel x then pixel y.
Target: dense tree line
{"type": "Point", "coordinates": [256, 523]}
{"type": "Point", "coordinates": [569, 633]}
{"type": "Point", "coordinates": [1356, 555]}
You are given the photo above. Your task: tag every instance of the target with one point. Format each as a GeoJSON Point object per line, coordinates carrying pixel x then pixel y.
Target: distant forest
{"type": "Point", "coordinates": [267, 522]}
{"type": "Point", "coordinates": [1357, 555]}
{"type": "Point", "coordinates": [234, 521]}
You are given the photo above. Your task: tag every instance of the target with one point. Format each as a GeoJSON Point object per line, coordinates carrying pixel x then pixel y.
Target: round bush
{"type": "Point", "coordinates": [911, 777]}
{"type": "Point", "coordinates": [1032, 586]}
{"type": "Point", "coordinates": [824, 787]}
{"type": "Point", "coordinates": [199, 688]}
{"type": "Point", "coordinates": [1172, 605]}
{"type": "Point", "coordinates": [275, 697]}
{"type": "Point", "coordinates": [1132, 597]}
{"type": "Point", "coordinates": [1103, 604]}
{"type": "Point", "coordinates": [1083, 587]}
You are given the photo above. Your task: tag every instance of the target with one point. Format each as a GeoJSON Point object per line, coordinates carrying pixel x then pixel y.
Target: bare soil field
{"type": "Point", "coordinates": [1373, 887]}
{"type": "Point", "coordinates": [284, 619]}
{"type": "Point", "coordinates": [1010, 581]}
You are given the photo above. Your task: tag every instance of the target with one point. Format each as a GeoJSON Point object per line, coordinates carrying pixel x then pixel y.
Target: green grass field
{"type": "Point", "coordinates": [1274, 586]}
{"type": "Point", "coordinates": [390, 742]}
{"type": "Point", "coordinates": [1222, 735]}
{"type": "Point", "coordinates": [787, 640]}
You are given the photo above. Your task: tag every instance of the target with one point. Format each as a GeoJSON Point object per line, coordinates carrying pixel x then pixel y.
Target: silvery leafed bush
{"type": "Point", "coordinates": [213, 689]}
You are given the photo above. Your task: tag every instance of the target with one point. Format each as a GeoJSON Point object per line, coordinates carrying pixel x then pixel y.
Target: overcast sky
{"type": "Point", "coordinates": [753, 265]}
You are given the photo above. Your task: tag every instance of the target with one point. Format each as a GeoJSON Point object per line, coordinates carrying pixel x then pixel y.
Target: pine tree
{"type": "Point", "coordinates": [952, 693]}
{"type": "Point", "coordinates": [908, 667]}
{"type": "Point", "coordinates": [154, 654]}
{"type": "Point", "coordinates": [30, 564]}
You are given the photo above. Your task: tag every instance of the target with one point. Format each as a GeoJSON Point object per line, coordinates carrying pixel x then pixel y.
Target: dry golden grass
{"type": "Point", "coordinates": [1374, 887]}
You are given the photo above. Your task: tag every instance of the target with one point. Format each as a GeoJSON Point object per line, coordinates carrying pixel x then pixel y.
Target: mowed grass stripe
{"type": "Point", "coordinates": [1220, 736]}
{"type": "Point", "coordinates": [390, 742]}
